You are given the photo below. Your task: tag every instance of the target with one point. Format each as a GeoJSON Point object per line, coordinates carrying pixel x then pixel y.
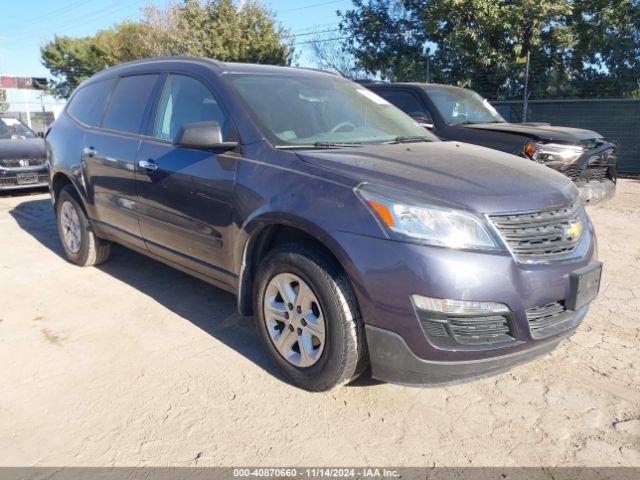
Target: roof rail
{"type": "Point", "coordinates": [365, 81]}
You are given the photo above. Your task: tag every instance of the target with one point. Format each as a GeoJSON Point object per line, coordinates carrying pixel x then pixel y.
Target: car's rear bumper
{"type": "Point", "coordinates": [596, 191]}
{"type": "Point", "coordinates": [393, 361]}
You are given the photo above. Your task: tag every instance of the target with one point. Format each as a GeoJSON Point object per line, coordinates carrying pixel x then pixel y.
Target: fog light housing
{"type": "Point", "coordinates": [464, 325]}
{"type": "Point", "coordinates": [458, 307]}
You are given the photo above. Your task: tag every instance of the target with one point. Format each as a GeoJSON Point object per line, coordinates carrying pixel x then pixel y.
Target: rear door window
{"type": "Point", "coordinates": [87, 104]}
{"type": "Point", "coordinates": [407, 102]}
{"type": "Point", "coordinates": [128, 105]}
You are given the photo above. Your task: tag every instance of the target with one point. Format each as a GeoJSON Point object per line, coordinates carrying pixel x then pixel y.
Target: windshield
{"type": "Point", "coordinates": [321, 109]}
{"type": "Point", "coordinates": [12, 128]}
{"type": "Point", "coordinates": [457, 106]}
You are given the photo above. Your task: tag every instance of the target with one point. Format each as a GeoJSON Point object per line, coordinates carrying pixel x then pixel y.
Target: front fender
{"type": "Point", "coordinates": [251, 233]}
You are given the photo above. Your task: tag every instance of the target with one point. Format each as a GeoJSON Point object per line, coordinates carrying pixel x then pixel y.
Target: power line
{"type": "Point", "coordinates": [323, 40]}
{"type": "Point", "coordinates": [319, 31]}
{"type": "Point", "coordinates": [310, 27]}
{"type": "Point", "coordinates": [110, 10]}
{"type": "Point", "coordinates": [82, 19]}
{"type": "Point", "coordinates": [46, 17]}
{"type": "Point", "coordinates": [310, 6]}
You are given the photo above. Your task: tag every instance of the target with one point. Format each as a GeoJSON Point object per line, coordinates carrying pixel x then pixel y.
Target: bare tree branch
{"type": "Point", "coordinates": [329, 53]}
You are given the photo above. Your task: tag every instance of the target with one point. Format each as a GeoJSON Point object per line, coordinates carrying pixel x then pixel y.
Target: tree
{"type": "Point", "coordinates": [606, 58]}
{"type": "Point", "coordinates": [71, 61]}
{"type": "Point", "coordinates": [330, 54]}
{"type": "Point", "coordinates": [219, 29]}
{"type": "Point", "coordinates": [211, 28]}
{"type": "Point", "coordinates": [480, 44]}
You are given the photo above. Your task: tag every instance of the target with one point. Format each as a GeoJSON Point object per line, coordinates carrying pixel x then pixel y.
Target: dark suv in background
{"type": "Point", "coordinates": [23, 159]}
{"type": "Point", "coordinates": [455, 113]}
{"type": "Point", "coordinates": [350, 233]}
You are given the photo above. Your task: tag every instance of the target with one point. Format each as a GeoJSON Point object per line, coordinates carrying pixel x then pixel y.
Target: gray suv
{"type": "Point", "coordinates": [351, 234]}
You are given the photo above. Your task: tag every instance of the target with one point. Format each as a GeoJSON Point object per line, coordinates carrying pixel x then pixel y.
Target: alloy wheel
{"type": "Point", "coordinates": [70, 224]}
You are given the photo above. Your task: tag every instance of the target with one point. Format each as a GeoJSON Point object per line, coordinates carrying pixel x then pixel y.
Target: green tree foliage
{"type": "Point", "coordinates": [585, 48]}
{"type": "Point", "coordinates": [217, 29]}
{"type": "Point", "coordinates": [607, 47]}
{"type": "Point", "coordinates": [72, 60]}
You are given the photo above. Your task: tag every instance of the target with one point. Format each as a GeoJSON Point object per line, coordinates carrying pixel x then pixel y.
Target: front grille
{"type": "Point", "coordinates": [588, 174]}
{"type": "Point", "coordinates": [460, 332]}
{"type": "Point", "coordinates": [13, 181]}
{"type": "Point", "coordinates": [542, 236]}
{"type": "Point", "coordinates": [550, 319]}
{"type": "Point", "coordinates": [22, 162]}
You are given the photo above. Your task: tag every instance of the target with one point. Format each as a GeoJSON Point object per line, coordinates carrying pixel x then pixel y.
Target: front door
{"type": "Point", "coordinates": [185, 194]}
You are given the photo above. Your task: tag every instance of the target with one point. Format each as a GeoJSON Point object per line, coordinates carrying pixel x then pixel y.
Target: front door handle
{"type": "Point", "coordinates": [148, 165]}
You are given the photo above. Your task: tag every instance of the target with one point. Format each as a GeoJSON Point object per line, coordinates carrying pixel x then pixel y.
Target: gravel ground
{"type": "Point", "coordinates": [134, 364]}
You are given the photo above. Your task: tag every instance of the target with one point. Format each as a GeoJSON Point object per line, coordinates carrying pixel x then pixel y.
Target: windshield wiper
{"type": "Point", "coordinates": [409, 139]}
{"type": "Point", "coordinates": [469, 122]}
{"type": "Point", "coordinates": [319, 145]}
{"type": "Point", "coordinates": [337, 144]}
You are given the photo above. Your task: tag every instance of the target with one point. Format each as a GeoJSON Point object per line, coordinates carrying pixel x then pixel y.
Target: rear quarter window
{"type": "Point", "coordinates": [87, 104]}
{"type": "Point", "coordinates": [128, 103]}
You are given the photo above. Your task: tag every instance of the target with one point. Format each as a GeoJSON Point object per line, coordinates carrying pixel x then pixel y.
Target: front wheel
{"type": "Point", "coordinates": [81, 245]}
{"type": "Point", "coordinates": [308, 319]}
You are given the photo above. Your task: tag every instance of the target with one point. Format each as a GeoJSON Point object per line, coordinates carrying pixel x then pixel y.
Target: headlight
{"type": "Point", "coordinates": [433, 225]}
{"type": "Point", "coordinates": [553, 153]}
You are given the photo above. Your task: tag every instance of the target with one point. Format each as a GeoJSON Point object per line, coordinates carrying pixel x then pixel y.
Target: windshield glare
{"type": "Point", "coordinates": [457, 106]}
{"type": "Point", "coordinates": [305, 109]}
{"type": "Point", "coordinates": [12, 128]}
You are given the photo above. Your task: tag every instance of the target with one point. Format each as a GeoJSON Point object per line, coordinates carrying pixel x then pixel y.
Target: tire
{"type": "Point", "coordinates": [342, 356]}
{"type": "Point", "coordinates": [85, 249]}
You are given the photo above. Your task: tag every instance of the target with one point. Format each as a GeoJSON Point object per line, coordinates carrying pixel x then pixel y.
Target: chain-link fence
{"type": "Point", "coordinates": [617, 120]}
{"type": "Point", "coordinates": [37, 121]}
{"type": "Point", "coordinates": [36, 115]}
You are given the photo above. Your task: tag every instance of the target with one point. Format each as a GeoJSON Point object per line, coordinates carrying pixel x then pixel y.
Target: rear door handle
{"type": "Point", "coordinates": [148, 165]}
{"type": "Point", "coordinates": [90, 151]}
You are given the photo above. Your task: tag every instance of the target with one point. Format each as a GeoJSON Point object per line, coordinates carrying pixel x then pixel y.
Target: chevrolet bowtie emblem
{"type": "Point", "coordinates": [574, 229]}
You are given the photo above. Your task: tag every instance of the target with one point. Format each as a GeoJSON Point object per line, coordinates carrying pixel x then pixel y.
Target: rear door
{"type": "Point", "coordinates": [186, 196]}
{"type": "Point", "coordinates": [110, 153]}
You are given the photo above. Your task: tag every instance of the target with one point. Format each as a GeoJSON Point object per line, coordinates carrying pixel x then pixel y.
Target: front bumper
{"type": "Point", "coordinates": [387, 273]}
{"type": "Point", "coordinates": [596, 191]}
{"type": "Point", "coordinates": [393, 361]}
{"type": "Point", "coordinates": [22, 178]}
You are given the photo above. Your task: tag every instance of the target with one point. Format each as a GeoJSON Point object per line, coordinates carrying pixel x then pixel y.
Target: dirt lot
{"type": "Point", "coordinates": [134, 363]}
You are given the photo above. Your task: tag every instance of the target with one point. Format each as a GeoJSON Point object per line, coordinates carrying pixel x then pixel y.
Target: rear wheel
{"type": "Point", "coordinates": [308, 319]}
{"type": "Point", "coordinates": [81, 245]}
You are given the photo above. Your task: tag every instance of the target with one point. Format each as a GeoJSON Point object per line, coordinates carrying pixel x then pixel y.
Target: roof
{"type": "Point", "coordinates": [378, 83]}
{"type": "Point", "coordinates": [215, 65]}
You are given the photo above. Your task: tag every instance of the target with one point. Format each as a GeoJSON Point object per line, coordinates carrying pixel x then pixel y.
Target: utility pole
{"type": "Point", "coordinates": [26, 107]}
{"type": "Point", "coordinates": [525, 103]}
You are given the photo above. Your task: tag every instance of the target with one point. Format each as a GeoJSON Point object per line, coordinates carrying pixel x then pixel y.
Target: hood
{"type": "Point", "coordinates": [23, 148]}
{"type": "Point", "coordinates": [456, 174]}
{"type": "Point", "coordinates": [539, 131]}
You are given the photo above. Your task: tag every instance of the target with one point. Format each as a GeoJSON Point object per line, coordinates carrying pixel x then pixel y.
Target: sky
{"type": "Point", "coordinates": [25, 25]}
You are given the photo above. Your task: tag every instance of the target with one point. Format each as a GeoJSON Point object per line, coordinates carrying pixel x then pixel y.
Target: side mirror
{"type": "Point", "coordinates": [40, 134]}
{"type": "Point", "coordinates": [203, 135]}
{"type": "Point", "coordinates": [423, 122]}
